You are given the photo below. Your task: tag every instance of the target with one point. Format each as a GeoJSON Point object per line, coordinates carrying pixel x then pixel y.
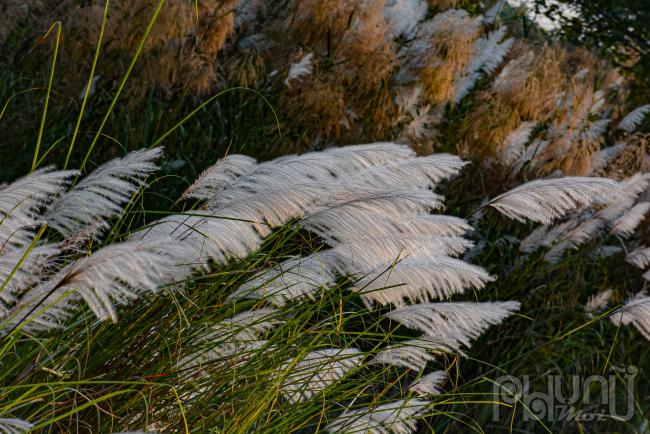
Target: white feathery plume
{"type": "Point", "coordinates": [420, 126]}
{"type": "Point", "coordinates": [46, 306]}
{"type": "Point", "coordinates": [636, 184]}
{"type": "Point", "coordinates": [329, 224]}
{"type": "Point", "coordinates": [636, 312]}
{"type": "Point", "coordinates": [534, 149]}
{"type": "Point", "coordinates": [399, 417]}
{"type": "Point", "coordinates": [232, 339]}
{"type": "Point", "coordinates": [600, 159]}
{"type": "Point", "coordinates": [491, 14]}
{"type": "Point", "coordinates": [118, 273]}
{"type": "Point", "coordinates": [633, 119]}
{"type": "Point", "coordinates": [545, 200]}
{"type": "Point", "coordinates": [535, 239]}
{"type": "Point", "coordinates": [640, 257]}
{"type": "Point", "coordinates": [34, 190]}
{"type": "Point", "coordinates": [102, 194]}
{"type": "Point", "coordinates": [21, 269]}
{"type": "Point", "coordinates": [323, 167]}
{"type": "Point", "coordinates": [555, 253]}
{"type": "Point", "coordinates": [595, 131]}
{"type": "Point", "coordinates": [316, 371]}
{"type": "Point", "coordinates": [290, 280]}
{"type": "Point", "coordinates": [268, 209]}
{"type": "Point", "coordinates": [574, 235]}
{"type": "Point", "coordinates": [429, 384]}
{"type": "Point", "coordinates": [403, 16]}
{"type": "Point", "coordinates": [202, 238]}
{"type": "Point", "coordinates": [301, 69]}
{"type": "Point", "coordinates": [20, 200]}
{"type": "Point", "coordinates": [598, 301]}
{"type": "Point", "coordinates": [560, 231]}
{"type": "Point", "coordinates": [414, 172]}
{"type": "Point", "coordinates": [219, 176]}
{"type": "Point", "coordinates": [421, 172]}
{"type": "Point", "coordinates": [627, 223]}
{"type": "Point", "coordinates": [408, 101]}
{"type": "Point", "coordinates": [606, 251]}
{"type": "Point", "coordinates": [616, 208]}
{"type": "Point", "coordinates": [630, 190]}
{"type": "Point", "coordinates": [435, 225]}
{"type": "Point", "coordinates": [344, 212]}
{"type": "Point", "coordinates": [14, 426]}
{"type": "Point", "coordinates": [585, 231]}
{"type": "Point", "coordinates": [464, 85]}
{"type": "Point", "coordinates": [389, 241]}
{"type": "Point", "coordinates": [277, 204]}
{"type": "Point", "coordinates": [369, 253]}
{"type": "Point", "coordinates": [414, 354]}
{"type": "Point", "coordinates": [418, 279]}
{"type": "Point", "coordinates": [515, 144]}
{"type": "Point", "coordinates": [460, 321]}
{"type": "Point", "coordinates": [489, 52]}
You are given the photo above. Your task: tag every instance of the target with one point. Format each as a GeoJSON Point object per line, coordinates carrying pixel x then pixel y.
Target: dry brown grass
{"type": "Point", "coordinates": [452, 40]}
{"type": "Point", "coordinates": [532, 81]}
{"type": "Point", "coordinates": [444, 4]}
{"type": "Point", "coordinates": [352, 93]}
{"type": "Point", "coordinates": [567, 90]}
{"type": "Point", "coordinates": [354, 57]}
{"type": "Point", "coordinates": [632, 159]}
{"type": "Point", "coordinates": [179, 53]}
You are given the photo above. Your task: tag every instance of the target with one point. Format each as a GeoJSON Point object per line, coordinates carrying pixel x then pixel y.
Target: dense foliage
{"type": "Point", "coordinates": [620, 29]}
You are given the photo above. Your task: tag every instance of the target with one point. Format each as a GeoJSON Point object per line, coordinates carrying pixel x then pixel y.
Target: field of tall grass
{"type": "Point", "coordinates": [369, 216]}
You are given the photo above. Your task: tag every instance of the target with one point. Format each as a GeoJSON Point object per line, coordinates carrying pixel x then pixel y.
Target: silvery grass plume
{"type": "Point", "coordinates": [514, 146]}
{"type": "Point", "coordinates": [14, 426]}
{"type": "Point", "coordinates": [415, 354]}
{"type": "Point", "coordinates": [625, 225]}
{"type": "Point", "coordinates": [633, 119]}
{"type": "Point", "coordinates": [102, 194]}
{"type": "Point", "coordinates": [617, 215]}
{"type": "Point", "coordinates": [231, 340]}
{"type": "Point", "coordinates": [635, 311]}
{"type": "Point", "coordinates": [459, 322]}
{"type": "Point", "coordinates": [545, 200]}
{"type": "Point", "coordinates": [373, 208]}
{"type": "Point", "coordinates": [304, 377]}
{"type": "Point", "coordinates": [29, 265]}
{"type": "Point", "coordinates": [598, 301]}
{"type": "Point", "coordinates": [218, 176]}
{"type": "Point", "coordinates": [299, 70]}
{"type": "Point", "coordinates": [399, 417]}
{"type": "Point", "coordinates": [616, 212]}
{"type": "Point", "coordinates": [489, 53]}
{"type": "Point", "coordinates": [403, 16]}
{"type": "Point", "coordinates": [640, 257]}
{"type": "Point", "coordinates": [600, 159]}
{"type": "Point", "coordinates": [429, 384]}
{"type": "Point", "coordinates": [20, 204]}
